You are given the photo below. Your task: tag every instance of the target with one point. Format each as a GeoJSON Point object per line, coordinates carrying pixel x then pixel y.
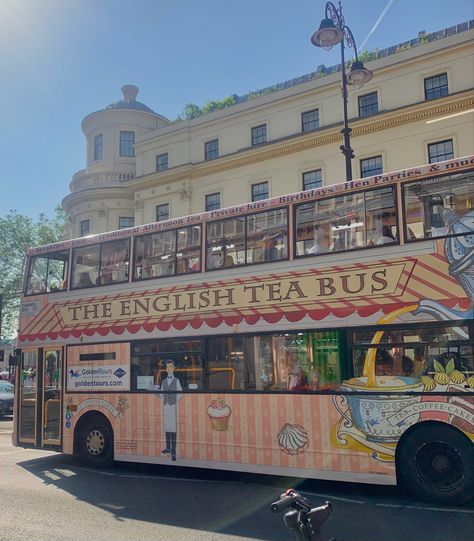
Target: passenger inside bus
{"type": "Point", "coordinates": [37, 286]}
{"type": "Point", "coordinates": [85, 280]}
{"type": "Point", "coordinates": [321, 241]}
{"type": "Point", "coordinates": [269, 249]}
{"type": "Point", "coordinates": [383, 363]}
{"type": "Point", "coordinates": [297, 379]}
{"type": "Point", "coordinates": [387, 236]}
{"type": "Point", "coordinates": [228, 261]}
{"type": "Point", "coordinates": [183, 266]}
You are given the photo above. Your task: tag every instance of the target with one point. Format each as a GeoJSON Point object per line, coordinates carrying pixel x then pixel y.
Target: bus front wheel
{"type": "Point", "coordinates": [436, 463]}
{"type": "Point", "coordinates": [96, 445]}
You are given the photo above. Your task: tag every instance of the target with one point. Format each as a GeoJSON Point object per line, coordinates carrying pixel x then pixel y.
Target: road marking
{"type": "Point", "coordinates": [424, 508]}
{"type": "Point", "coordinates": [323, 496]}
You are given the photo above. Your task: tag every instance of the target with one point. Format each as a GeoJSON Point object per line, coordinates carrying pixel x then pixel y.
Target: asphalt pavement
{"type": "Point", "coordinates": [47, 496]}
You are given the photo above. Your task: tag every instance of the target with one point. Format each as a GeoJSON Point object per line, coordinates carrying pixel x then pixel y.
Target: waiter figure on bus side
{"type": "Point", "coordinates": [172, 389]}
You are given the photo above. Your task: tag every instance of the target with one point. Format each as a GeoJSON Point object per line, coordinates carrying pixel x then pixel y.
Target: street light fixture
{"type": "Point", "coordinates": [333, 30]}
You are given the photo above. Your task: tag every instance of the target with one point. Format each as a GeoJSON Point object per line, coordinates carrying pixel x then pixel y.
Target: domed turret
{"type": "Point", "coordinates": [129, 100]}
{"type": "Point", "coordinates": [100, 194]}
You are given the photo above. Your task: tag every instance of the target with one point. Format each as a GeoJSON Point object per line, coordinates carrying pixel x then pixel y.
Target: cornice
{"type": "Point", "coordinates": [93, 195]}
{"type": "Point", "coordinates": [415, 114]}
{"type": "Point", "coordinates": [301, 142]}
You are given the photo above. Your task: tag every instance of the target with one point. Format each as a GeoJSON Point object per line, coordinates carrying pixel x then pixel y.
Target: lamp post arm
{"type": "Point", "coordinates": [335, 14]}
{"type": "Point", "coordinates": [348, 36]}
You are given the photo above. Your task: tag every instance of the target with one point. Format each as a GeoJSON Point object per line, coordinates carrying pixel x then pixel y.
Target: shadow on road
{"type": "Point", "coordinates": [219, 502]}
{"type": "Point", "coordinates": [239, 504]}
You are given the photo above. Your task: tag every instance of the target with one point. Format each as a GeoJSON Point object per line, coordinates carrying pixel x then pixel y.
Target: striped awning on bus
{"type": "Point", "coordinates": [366, 291]}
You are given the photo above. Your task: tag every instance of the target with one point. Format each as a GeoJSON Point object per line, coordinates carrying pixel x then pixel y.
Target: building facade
{"type": "Point", "coordinates": [141, 168]}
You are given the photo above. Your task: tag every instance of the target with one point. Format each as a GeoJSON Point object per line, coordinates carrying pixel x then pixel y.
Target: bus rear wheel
{"type": "Point", "coordinates": [96, 444]}
{"type": "Point", "coordinates": [437, 464]}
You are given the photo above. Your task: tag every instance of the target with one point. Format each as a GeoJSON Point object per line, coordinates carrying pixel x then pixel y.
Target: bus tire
{"type": "Point", "coordinates": [436, 462]}
{"type": "Point", "coordinates": [96, 442]}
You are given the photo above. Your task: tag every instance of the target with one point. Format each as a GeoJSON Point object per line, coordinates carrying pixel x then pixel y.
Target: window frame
{"type": "Point", "coordinates": [304, 123]}
{"type": "Point", "coordinates": [371, 105]}
{"type": "Point", "coordinates": [406, 225]}
{"type": "Point", "coordinates": [100, 244]}
{"type": "Point", "coordinates": [156, 212]}
{"type": "Point", "coordinates": [158, 165]}
{"type": "Point", "coordinates": [246, 215]}
{"type": "Point", "coordinates": [435, 143]}
{"type": "Point", "coordinates": [394, 327]}
{"type": "Point", "coordinates": [439, 89]}
{"type": "Point", "coordinates": [176, 272]}
{"type": "Point", "coordinates": [125, 141]}
{"type": "Point", "coordinates": [259, 183]}
{"type": "Point", "coordinates": [308, 173]}
{"type": "Point", "coordinates": [207, 196]}
{"type": "Point", "coordinates": [344, 361]}
{"type": "Point", "coordinates": [88, 221]}
{"type": "Point", "coordinates": [371, 158]}
{"type": "Point", "coordinates": [98, 147]}
{"type": "Point", "coordinates": [211, 150]}
{"type": "Point", "coordinates": [255, 135]}
{"type": "Point", "coordinates": [126, 218]}
{"type": "Point", "coordinates": [329, 253]}
{"type": "Point", "coordinates": [66, 277]}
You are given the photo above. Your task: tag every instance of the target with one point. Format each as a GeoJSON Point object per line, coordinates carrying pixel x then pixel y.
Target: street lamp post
{"type": "Point", "coordinates": [333, 30]}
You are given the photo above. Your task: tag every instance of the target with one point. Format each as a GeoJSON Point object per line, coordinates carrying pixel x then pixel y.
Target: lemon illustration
{"type": "Point", "coordinates": [428, 383]}
{"type": "Point", "coordinates": [441, 378]}
{"type": "Point", "coordinates": [456, 376]}
{"type": "Point", "coordinates": [470, 381]}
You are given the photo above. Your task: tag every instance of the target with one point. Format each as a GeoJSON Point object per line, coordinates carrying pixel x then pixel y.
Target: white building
{"type": "Point", "coordinates": [418, 108]}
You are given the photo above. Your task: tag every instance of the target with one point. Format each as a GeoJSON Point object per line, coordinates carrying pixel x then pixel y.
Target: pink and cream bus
{"type": "Point", "coordinates": [324, 334]}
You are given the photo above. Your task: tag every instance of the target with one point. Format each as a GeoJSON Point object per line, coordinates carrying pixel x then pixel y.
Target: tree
{"type": "Point", "coordinates": [192, 110]}
{"type": "Point", "coordinates": [19, 232]}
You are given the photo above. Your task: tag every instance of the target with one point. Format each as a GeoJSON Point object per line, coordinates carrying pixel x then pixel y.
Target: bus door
{"type": "Point", "coordinates": [51, 399]}
{"type": "Point", "coordinates": [40, 396]}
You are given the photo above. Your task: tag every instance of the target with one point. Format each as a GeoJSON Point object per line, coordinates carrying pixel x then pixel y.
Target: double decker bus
{"type": "Point", "coordinates": [324, 334]}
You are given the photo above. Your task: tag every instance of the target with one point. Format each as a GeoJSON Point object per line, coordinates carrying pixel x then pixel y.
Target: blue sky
{"type": "Point", "coordinates": [62, 59]}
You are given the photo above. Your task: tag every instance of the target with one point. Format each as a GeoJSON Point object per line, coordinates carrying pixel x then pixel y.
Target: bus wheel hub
{"type": "Point", "coordinates": [95, 442]}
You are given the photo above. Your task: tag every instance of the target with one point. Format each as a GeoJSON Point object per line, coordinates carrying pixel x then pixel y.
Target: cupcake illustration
{"type": "Point", "coordinates": [219, 414]}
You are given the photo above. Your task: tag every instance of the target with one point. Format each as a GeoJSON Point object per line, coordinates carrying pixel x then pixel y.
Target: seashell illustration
{"type": "Point", "coordinates": [293, 439]}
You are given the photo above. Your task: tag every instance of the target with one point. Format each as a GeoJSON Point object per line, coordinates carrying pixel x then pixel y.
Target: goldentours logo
{"type": "Point", "coordinates": [98, 378]}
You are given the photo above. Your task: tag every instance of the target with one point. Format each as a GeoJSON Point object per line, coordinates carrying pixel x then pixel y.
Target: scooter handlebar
{"type": "Point", "coordinates": [283, 503]}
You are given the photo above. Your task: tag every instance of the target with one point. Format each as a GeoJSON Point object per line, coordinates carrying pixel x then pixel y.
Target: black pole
{"type": "Point", "coordinates": [346, 131]}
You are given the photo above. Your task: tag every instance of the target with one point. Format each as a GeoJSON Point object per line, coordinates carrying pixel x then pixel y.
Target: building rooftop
{"type": "Point", "coordinates": [322, 70]}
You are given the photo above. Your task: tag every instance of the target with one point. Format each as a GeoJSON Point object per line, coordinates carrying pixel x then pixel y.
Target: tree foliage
{"type": "Point", "coordinates": [17, 233]}
{"type": "Point", "coordinates": [193, 111]}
